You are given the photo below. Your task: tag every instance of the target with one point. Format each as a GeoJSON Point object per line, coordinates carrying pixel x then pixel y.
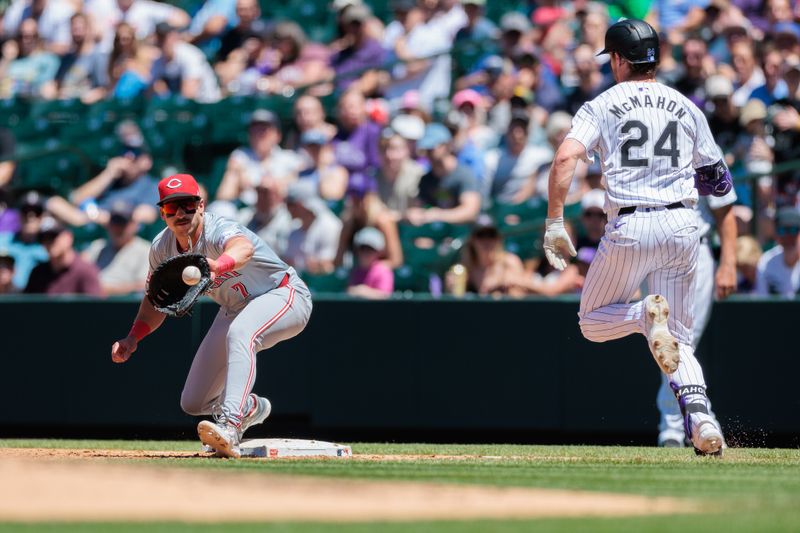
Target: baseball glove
{"type": "Point", "coordinates": [166, 289]}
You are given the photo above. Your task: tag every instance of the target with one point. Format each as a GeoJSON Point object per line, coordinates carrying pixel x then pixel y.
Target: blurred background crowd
{"type": "Point", "coordinates": [379, 147]}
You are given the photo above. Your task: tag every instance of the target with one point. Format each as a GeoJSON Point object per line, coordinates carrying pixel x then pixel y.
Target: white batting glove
{"type": "Point", "coordinates": [557, 243]}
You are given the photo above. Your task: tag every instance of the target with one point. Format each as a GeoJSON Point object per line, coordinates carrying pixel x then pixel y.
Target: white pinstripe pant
{"type": "Point", "coordinates": [671, 418]}
{"type": "Point", "coordinates": [660, 247]}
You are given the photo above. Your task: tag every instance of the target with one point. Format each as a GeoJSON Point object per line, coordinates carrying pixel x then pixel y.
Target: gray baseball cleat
{"type": "Point", "coordinates": [257, 415]}
{"type": "Point", "coordinates": [663, 345]}
{"type": "Point", "coordinates": [223, 438]}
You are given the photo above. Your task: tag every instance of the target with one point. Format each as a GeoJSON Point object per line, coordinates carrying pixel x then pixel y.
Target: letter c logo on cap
{"type": "Point", "coordinates": [174, 183]}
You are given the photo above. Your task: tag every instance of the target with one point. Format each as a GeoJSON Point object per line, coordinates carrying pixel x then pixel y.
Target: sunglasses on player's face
{"type": "Point", "coordinates": [189, 206]}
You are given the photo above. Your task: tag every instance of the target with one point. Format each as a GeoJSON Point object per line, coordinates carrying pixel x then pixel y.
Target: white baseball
{"type": "Point", "coordinates": [191, 275]}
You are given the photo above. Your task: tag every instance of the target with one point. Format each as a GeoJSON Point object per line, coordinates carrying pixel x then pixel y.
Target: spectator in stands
{"type": "Point", "coordinates": [213, 20]}
{"type": "Point", "coordinates": [270, 217]}
{"type": "Point", "coordinates": [125, 178]}
{"type": "Point", "coordinates": [25, 66]}
{"type": "Point", "coordinates": [83, 72]}
{"type": "Point", "coordinates": [51, 16]}
{"type": "Point", "coordinates": [425, 65]}
{"type": "Point", "coordinates": [749, 75]}
{"type": "Point", "coordinates": [411, 127]}
{"type": "Point", "coordinates": [593, 219]}
{"type": "Point", "coordinates": [182, 68]}
{"type": "Point", "coordinates": [372, 278]}
{"type": "Point", "coordinates": [314, 240]}
{"type": "Point", "coordinates": [593, 25]}
{"type": "Point", "coordinates": [240, 72]}
{"type": "Point", "coordinates": [364, 208]}
{"type": "Point", "coordinates": [511, 170]}
{"type": "Point", "coordinates": [478, 29]}
{"type": "Point", "coordinates": [490, 269]}
{"type": "Point", "coordinates": [447, 15]}
{"type": "Point", "coordinates": [356, 142]}
{"type": "Point", "coordinates": [513, 27]}
{"type": "Point", "coordinates": [472, 106]}
{"type": "Point", "coordinates": [291, 61]}
{"type": "Point", "coordinates": [24, 245]}
{"type": "Point", "coordinates": [328, 178]}
{"type": "Point", "coordinates": [449, 191]}
{"type": "Point", "coordinates": [779, 268]}
{"type": "Point", "coordinates": [247, 166]}
{"type": "Point", "coordinates": [398, 176]}
{"type": "Point", "coordinates": [357, 54]}
{"type": "Point", "coordinates": [9, 217]}
{"type": "Point", "coordinates": [8, 147]}
{"type": "Point", "coordinates": [123, 257]}
{"type": "Point", "coordinates": [724, 117]}
{"type": "Point", "coordinates": [558, 125]}
{"type": "Point", "coordinates": [248, 14]}
{"type": "Point", "coordinates": [696, 67]}
{"type": "Point", "coordinates": [130, 64]}
{"type": "Point", "coordinates": [65, 272]}
{"type": "Point", "coordinates": [591, 82]}
{"type": "Point", "coordinates": [748, 253]}
{"type": "Point", "coordinates": [774, 87]}
{"type": "Point", "coordinates": [752, 146]}
{"type": "Point", "coordinates": [308, 115]}
{"type": "Point", "coordinates": [141, 15]}
{"type": "Point", "coordinates": [6, 273]}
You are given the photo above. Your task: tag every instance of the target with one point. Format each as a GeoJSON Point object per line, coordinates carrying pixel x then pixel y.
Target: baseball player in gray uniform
{"type": "Point", "coordinates": [262, 301]}
{"type": "Point", "coordinates": [711, 211]}
{"type": "Point", "coordinates": [656, 151]}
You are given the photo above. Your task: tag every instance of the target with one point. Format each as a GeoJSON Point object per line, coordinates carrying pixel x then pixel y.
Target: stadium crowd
{"type": "Point", "coordinates": [401, 137]}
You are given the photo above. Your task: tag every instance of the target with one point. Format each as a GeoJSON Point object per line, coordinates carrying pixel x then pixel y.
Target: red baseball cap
{"type": "Point", "coordinates": [177, 186]}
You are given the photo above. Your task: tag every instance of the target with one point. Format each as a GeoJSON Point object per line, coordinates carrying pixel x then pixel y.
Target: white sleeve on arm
{"type": "Point", "coordinates": [585, 129]}
{"type": "Point", "coordinates": [717, 202]}
{"type": "Point", "coordinates": [706, 152]}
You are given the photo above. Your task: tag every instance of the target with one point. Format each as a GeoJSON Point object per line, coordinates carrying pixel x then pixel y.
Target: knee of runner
{"type": "Point", "coordinates": [588, 332]}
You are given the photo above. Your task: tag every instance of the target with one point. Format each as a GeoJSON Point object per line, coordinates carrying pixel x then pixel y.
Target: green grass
{"type": "Point", "coordinates": [749, 490]}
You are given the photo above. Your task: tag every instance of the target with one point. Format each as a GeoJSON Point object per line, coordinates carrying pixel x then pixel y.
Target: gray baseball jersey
{"type": "Point", "coordinates": [650, 138]}
{"type": "Point", "coordinates": [232, 290]}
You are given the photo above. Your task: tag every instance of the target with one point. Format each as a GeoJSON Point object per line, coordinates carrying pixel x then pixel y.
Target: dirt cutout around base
{"type": "Point", "coordinates": [36, 490]}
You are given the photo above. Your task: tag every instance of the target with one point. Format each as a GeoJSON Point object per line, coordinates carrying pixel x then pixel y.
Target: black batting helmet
{"type": "Point", "coordinates": [635, 40]}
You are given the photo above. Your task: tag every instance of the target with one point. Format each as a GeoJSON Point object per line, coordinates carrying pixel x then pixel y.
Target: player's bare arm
{"type": "Point", "coordinates": [726, 272]}
{"type": "Point", "coordinates": [147, 320]}
{"type": "Point", "coordinates": [557, 243]}
{"type": "Point", "coordinates": [237, 252]}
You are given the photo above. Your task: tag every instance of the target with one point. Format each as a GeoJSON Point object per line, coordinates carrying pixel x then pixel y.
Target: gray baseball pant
{"type": "Point", "coordinates": [223, 371]}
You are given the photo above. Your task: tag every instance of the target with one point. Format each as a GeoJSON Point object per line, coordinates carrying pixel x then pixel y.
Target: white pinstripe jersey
{"type": "Point", "coordinates": [650, 138]}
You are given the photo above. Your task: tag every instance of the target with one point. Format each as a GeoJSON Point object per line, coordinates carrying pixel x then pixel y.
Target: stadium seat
{"type": "Point", "coordinates": [407, 278]}
{"type": "Point", "coordinates": [169, 124]}
{"type": "Point", "coordinates": [510, 216]}
{"type": "Point", "coordinates": [436, 231]}
{"type": "Point", "coordinates": [335, 281]}
{"type": "Point", "coordinates": [51, 166]}
{"type": "Point", "coordinates": [13, 112]}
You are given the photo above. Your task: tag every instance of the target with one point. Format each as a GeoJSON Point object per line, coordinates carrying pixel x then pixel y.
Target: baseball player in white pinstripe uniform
{"type": "Point", "coordinates": [656, 152]}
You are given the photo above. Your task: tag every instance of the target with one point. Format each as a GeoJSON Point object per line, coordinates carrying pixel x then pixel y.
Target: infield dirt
{"type": "Point", "coordinates": [94, 485]}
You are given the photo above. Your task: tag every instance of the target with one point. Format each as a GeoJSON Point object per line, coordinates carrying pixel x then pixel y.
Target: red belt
{"type": "Point", "coordinates": [285, 281]}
